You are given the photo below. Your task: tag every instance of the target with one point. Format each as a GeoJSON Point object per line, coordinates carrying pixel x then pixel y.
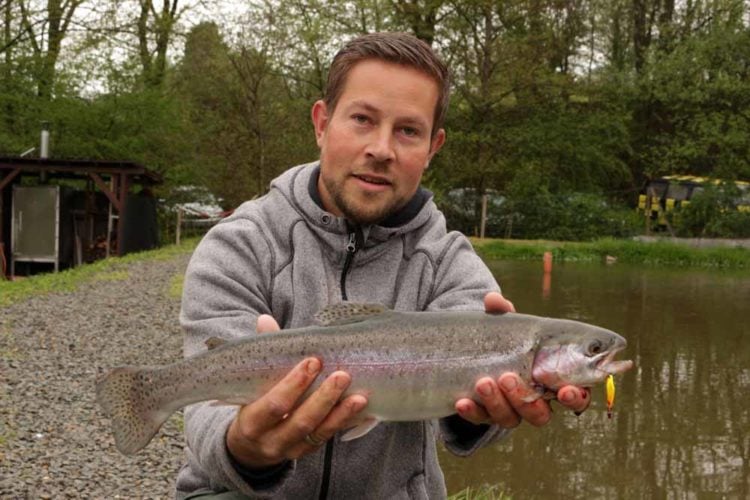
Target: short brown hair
{"type": "Point", "coordinates": [398, 48]}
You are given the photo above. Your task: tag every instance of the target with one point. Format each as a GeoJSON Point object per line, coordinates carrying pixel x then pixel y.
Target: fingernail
{"type": "Point", "coordinates": [568, 397]}
{"type": "Point", "coordinates": [509, 383]}
{"type": "Point", "coordinates": [341, 381]}
{"type": "Point", "coordinates": [463, 408]}
{"type": "Point", "coordinates": [485, 389]}
{"type": "Point", "coordinates": [313, 366]}
{"type": "Point", "coordinates": [355, 406]}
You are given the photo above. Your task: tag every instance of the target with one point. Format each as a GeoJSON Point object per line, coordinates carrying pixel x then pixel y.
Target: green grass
{"type": "Point", "coordinates": [175, 286]}
{"type": "Point", "coordinates": [112, 269]}
{"type": "Point", "coordinates": [625, 251]}
{"type": "Point", "coordinates": [118, 275]}
{"type": "Point", "coordinates": [179, 421]}
{"type": "Point", "coordinates": [482, 493]}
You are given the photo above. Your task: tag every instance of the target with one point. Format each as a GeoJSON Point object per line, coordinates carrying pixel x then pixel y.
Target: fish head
{"type": "Point", "coordinates": [574, 353]}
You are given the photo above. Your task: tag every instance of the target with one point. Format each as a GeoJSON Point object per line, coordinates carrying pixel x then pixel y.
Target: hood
{"type": "Point", "coordinates": [299, 186]}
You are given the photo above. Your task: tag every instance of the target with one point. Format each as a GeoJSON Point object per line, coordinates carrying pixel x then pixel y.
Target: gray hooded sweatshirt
{"type": "Point", "coordinates": [284, 255]}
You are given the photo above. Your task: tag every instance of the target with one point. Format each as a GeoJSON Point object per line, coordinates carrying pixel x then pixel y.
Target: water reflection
{"type": "Point", "coordinates": [682, 417]}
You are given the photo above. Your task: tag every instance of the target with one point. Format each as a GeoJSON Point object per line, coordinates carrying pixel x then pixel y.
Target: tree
{"type": "Point", "coordinates": [159, 24]}
{"type": "Point", "coordinates": [703, 91]}
{"type": "Point", "coordinates": [43, 30]}
{"type": "Point", "coordinates": [420, 16]}
{"type": "Point", "coordinates": [474, 50]}
{"type": "Point", "coordinates": [238, 109]}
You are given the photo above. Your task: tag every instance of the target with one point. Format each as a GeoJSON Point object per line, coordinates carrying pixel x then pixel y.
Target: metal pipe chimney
{"type": "Point", "coordinates": [44, 150]}
{"type": "Point", "coordinates": [44, 145]}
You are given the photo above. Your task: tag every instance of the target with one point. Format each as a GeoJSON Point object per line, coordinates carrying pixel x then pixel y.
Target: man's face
{"type": "Point", "coordinates": [376, 144]}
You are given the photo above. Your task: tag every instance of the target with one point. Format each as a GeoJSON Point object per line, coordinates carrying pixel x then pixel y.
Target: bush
{"type": "Point", "coordinates": [569, 217]}
{"type": "Point", "coordinates": [531, 211]}
{"type": "Point", "coordinates": [462, 208]}
{"type": "Point", "coordinates": [713, 214]}
{"type": "Point", "coordinates": [731, 224]}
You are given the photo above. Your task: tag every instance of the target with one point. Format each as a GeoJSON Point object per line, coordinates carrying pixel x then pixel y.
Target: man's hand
{"type": "Point", "coordinates": [503, 399]}
{"type": "Point", "coordinates": [274, 428]}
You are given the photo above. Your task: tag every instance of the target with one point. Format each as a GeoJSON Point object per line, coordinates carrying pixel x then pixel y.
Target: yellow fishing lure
{"type": "Point", "coordinates": [610, 395]}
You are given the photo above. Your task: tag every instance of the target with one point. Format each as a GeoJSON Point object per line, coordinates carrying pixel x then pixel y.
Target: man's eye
{"type": "Point", "coordinates": [410, 131]}
{"type": "Point", "coordinates": [360, 118]}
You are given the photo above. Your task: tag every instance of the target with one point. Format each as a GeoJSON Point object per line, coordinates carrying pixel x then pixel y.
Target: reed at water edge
{"type": "Point", "coordinates": [623, 251]}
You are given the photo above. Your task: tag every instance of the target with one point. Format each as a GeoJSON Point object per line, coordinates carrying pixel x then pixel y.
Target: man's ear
{"type": "Point", "coordinates": [435, 144]}
{"type": "Point", "coordinates": [319, 116]}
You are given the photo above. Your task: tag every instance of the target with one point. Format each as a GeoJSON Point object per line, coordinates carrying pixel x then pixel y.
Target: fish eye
{"type": "Point", "coordinates": [595, 347]}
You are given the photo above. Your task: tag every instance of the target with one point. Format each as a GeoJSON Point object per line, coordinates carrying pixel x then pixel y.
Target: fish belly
{"type": "Point", "coordinates": [409, 391]}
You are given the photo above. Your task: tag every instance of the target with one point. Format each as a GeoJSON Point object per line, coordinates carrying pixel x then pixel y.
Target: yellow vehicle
{"type": "Point", "coordinates": [672, 192]}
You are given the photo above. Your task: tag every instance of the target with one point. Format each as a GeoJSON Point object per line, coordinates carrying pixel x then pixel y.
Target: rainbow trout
{"type": "Point", "coordinates": [410, 365]}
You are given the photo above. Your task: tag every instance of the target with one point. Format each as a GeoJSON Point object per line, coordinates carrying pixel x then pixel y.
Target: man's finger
{"type": "Point", "coordinates": [266, 324]}
{"type": "Point", "coordinates": [340, 417]}
{"type": "Point", "coordinates": [472, 412]}
{"type": "Point", "coordinates": [496, 404]}
{"type": "Point", "coordinates": [575, 398]}
{"type": "Point", "coordinates": [271, 408]}
{"type": "Point", "coordinates": [316, 408]}
{"type": "Point", "coordinates": [524, 400]}
{"type": "Point", "coordinates": [497, 304]}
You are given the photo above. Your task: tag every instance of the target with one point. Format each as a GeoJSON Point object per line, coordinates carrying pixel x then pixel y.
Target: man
{"type": "Point", "coordinates": [354, 226]}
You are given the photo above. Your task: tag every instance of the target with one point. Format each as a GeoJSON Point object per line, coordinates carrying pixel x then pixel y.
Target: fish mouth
{"type": "Point", "coordinates": [606, 363]}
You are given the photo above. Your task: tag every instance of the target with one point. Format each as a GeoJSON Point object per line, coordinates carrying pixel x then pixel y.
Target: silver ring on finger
{"type": "Point", "coordinates": [314, 440]}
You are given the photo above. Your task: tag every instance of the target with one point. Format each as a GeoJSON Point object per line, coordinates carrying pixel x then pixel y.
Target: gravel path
{"type": "Point", "coordinates": [54, 441]}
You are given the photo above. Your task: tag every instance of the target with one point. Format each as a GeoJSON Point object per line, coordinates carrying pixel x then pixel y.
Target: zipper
{"type": "Point", "coordinates": [355, 242]}
{"type": "Point", "coordinates": [326, 470]}
{"type": "Point", "coordinates": [356, 239]}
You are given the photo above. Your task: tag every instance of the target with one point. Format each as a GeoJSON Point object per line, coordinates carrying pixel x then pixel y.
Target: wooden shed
{"type": "Point", "coordinates": [66, 212]}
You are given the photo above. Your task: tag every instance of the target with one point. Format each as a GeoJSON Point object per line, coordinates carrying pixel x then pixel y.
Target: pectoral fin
{"type": "Point", "coordinates": [214, 342]}
{"type": "Point", "coordinates": [361, 429]}
{"type": "Point", "coordinates": [539, 392]}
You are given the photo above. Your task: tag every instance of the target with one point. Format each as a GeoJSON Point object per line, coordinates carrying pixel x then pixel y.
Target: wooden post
{"type": "Point", "coordinates": [110, 215]}
{"type": "Point", "coordinates": [5, 181]}
{"type": "Point", "coordinates": [2, 239]}
{"type": "Point", "coordinates": [115, 205]}
{"type": "Point", "coordinates": [649, 192]}
{"type": "Point", "coordinates": [179, 225]}
{"type": "Point", "coordinates": [484, 216]}
{"type": "Point", "coordinates": [124, 189]}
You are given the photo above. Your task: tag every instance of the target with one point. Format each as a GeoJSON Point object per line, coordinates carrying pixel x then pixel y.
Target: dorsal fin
{"type": "Point", "coordinates": [348, 312]}
{"type": "Point", "coordinates": [214, 342]}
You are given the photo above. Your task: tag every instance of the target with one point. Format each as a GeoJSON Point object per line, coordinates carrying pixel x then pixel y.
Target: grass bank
{"type": "Point", "coordinates": [480, 493]}
{"type": "Point", "coordinates": [625, 251]}
{"type": "Point", "coordinates": [112, 269]}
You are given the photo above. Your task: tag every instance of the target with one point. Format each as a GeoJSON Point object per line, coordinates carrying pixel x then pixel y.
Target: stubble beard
{"type": "Point", "coordinates": [360, 212]}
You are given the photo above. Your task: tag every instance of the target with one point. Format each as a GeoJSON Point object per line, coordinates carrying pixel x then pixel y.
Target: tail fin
{"type": "Point", "coordinates": [122, 393]}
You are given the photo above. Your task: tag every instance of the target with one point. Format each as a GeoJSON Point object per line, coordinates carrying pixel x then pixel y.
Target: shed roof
{"type": "Point", "coordinates": [80, 168]}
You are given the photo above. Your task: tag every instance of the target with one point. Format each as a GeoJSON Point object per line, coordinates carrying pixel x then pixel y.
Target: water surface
{"type": "Point", "coordinates": [681, 427]}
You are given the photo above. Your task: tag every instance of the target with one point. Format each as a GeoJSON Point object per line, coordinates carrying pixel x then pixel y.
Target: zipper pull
{"type": "Point", "coordinates": [351, 247]}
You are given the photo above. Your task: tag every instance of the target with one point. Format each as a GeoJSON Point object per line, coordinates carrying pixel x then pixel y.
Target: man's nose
{"type": "Point", "coordinates": [380, 147]}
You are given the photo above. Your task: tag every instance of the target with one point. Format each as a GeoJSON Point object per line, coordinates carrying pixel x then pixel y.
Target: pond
{"type": "Point", "coordinates": [681, 426]}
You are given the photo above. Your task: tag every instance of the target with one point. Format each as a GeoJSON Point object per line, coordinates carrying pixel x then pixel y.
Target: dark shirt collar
{"type": "Point", "coordinates": [407, 213]}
